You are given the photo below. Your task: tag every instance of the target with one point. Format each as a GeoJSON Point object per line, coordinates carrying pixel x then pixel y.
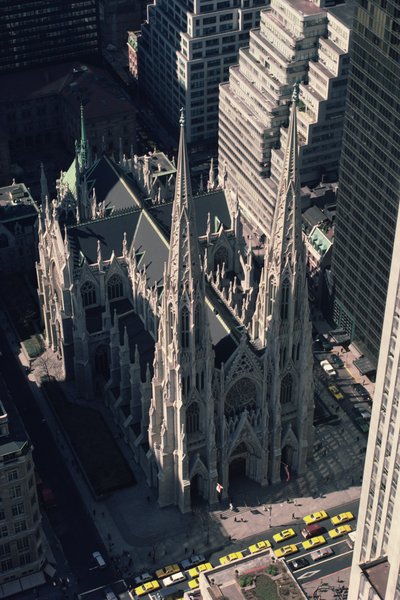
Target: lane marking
{"type": "Point", "coordinates": [308, 574]}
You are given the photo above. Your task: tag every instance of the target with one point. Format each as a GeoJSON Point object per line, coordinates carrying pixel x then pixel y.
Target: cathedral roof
{"type": "Point", "coordinates": [214, 203]}
{"type": "Point", "coordinates": [147, 230]}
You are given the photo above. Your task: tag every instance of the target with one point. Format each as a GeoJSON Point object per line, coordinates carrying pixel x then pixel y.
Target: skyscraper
{"type": "Point", "coordinates": [38, 32]}
{"type": "Point", "coordinates": [184, 53]}
{"type": "Point", "coordinates": [376, 560]}
{"type": "Point", "coordinates": [369, 181]}
{"type": "Point", "coordinates": [296, 42]}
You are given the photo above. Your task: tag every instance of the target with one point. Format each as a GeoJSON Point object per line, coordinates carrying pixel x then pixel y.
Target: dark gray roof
{"type": "Point", "coordinates": [213, 203]}
{"type": "Point", "coordinates": [110, 231]}
{"type": "Point", "coordinates": [313, 216]}
{"type": "Point", "coordinates": [111, 185]}
{"type": "Point", "coordinates": [148, 231]}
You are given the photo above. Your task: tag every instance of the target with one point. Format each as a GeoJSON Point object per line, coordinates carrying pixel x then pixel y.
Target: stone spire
{"type": "Point", "coordinates": [184, 359]}
{"type": "Point", "coordinates": [183, 259]}
{"type": "Point", "coordinates": [44, 190]}
{"type": "Point", "coordinates": [211, 177]}
{"type": "Point", "coordinates": [281, 322]}
{"type": "Point", "coordinates": [285, 254]}
{"type": "Point", "coordinates": [83, 146]}
{"type": "Point", "coordinates": [286, 231]}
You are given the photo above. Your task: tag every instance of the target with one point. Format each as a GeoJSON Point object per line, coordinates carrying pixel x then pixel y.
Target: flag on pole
{"type": "Point", "coordinates": [219, 488]}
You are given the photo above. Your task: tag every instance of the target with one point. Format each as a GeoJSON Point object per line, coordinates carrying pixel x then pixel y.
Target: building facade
{"type": "Point", "coordinates": [185, 51]}
{"type": "Point", "coordinates": [35, 33]}
{"type": "Point", "coordinates": [155, 309]}
{"type": "Point", "coordinates": [116, 17]}
{"type": "Point", "coordinates": [18, 232]}
{"type": "Point", "coordinates": [375, 572]}
{"type": "Point", "coordinates": [369, 183]}
{"type": "Point", "coordinates": [21, 544]}
{"type": "Point", "coordinates": [296, 42]}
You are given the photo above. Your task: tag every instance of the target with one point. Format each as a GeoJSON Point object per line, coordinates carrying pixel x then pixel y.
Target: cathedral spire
{"type": "Point", "coordinates": [284, 257]}
{"type": "Point", "coordinates": [44, 190]}
{"type": "Point", "coordinates": [286, 230]}
{"type": "Point", "coordinates": [83, 148]}
{"type": "Point", "coordinates": [183, 259]}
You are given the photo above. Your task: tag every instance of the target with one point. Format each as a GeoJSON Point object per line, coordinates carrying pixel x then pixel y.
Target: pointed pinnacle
{"type": "Point", "coordinates": [182, 117]}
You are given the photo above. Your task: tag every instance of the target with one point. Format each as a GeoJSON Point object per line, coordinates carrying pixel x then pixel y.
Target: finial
{"type": "Point", "coordinates": [182, 117]}
{"type": "Point", "coordinates": [295, 94]}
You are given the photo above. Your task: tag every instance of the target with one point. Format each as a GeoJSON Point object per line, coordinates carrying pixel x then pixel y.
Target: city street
{"type": "Point", "coordinates": [69, 520]}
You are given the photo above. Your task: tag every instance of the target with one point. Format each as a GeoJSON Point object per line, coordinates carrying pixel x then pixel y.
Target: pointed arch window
{"type": "Point", "coordinates": [115, 288]}
{"type": "Point", "coordinates": [185, 327]}
{"type": "Point", "coordinates": [193, 418]}
{"type": "Point", "coordinates": [221, 257]}
{"type": "Point", "coordinates": [271, 295]}
{"type": "Point", "coordinates": [286, 389]}
{"type": "Point", "coordinates": [197, 325]}
{"type": "Point", "coordinates": [88, 293]}
{"type": "Point", "coordinates": [285, 300]}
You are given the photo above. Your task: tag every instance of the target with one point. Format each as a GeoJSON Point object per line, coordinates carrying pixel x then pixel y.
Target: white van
{"type": "Point", "coordinates": [99, 560]}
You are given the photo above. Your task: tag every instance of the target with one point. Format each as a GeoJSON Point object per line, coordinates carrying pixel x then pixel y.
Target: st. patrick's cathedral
{"type": "Point", "coordinates": [156, 307]}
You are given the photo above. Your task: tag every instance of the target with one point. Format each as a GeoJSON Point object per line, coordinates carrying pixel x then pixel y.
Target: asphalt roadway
{"type": "Point", "coordinates": [68, 519]}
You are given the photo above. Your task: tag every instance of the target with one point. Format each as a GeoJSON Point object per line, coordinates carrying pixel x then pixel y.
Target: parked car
{"type": "Point", "coordinates": [315, 517]}
{"type": "Point", "coordinates": [142, 578]}
{"type": "Point", "coordinates": [360, 390]}
{"type": "Point", "coordinates": [342, 518]}
{"type": "Point", "coordinates": [312, 530]}
{"type": "Point", "coordinates": [298, 563]}
{"type": "Point", "coordinates": [321, 553]}
{"type": "Point", "coordinates": [284, 535]}
{"type": "Point", "coordinates": [313, 542]}
{"type": "Point", "coordinates": [336, 393]}
{"type": "Point", "coordinates": [224, 560]}
{"type": "Point", "coordinates": [99, 560]}
{"type": "Point", "coordinates": [285, 550]}
{"type": "Point", "coordinates": [339, 531]}
{"type": "Point", "coordinates": [192, 561]}
{"type": "Point", "coordinates": [327, 367]}
{"type": "Point", "coordinates": [169, 570]}
{"type": "Point", "coordinates": [146, 588]}
{"type": "Point", "coordinates": [172, 579]}
{"type": "Point", "coordinates": [336, 361]}
{"type": "Point", "coordinates": [326, 344]}
{"type": "Point", "coordinates": [263, 545]}
{"type": "Point", "coordinates": [195, 571]}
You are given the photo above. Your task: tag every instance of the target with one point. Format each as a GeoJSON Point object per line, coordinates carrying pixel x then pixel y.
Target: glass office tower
{"type": "Point", "coordinates": [38, 32]}
{"type": "Point", "coordinates": [369, 185]}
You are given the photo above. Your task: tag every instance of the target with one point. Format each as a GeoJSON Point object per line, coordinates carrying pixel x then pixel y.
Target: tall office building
{"type": "Point", "coordinates": [375, 571]}
{"type": "Point", "coordinates": [184, 53]}
{"type": "Point", "coordinates": [38, 32]}
{"type": "Point", "coordinates": [369, 181]}
{"type": "Point", "coordinates": [297, 42]}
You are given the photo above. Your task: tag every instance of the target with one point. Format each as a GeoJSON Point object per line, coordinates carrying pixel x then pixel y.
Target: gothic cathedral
{"type": "Point", "coordinates": [157, 308]}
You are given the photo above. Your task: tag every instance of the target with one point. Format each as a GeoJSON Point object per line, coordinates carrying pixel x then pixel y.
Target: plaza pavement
{"type": "Point", "coordinates": [140, 535]}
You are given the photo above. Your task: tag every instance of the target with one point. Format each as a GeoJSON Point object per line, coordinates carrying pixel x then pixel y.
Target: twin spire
{"type": "Point", "coordinates": [183, 260]}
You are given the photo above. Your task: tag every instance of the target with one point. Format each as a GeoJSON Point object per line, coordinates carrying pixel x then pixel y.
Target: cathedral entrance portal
{"type": "Point", "coordinates": [197, 490]}
{"type": "Point", "coordinates": [237, 468]}
{"type": "Point", "coordinates": [287, 462]}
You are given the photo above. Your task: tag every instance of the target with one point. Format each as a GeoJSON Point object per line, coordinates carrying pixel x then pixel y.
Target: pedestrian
{"type": "Point", "coordinates": [234, 519]}
{"type": "Point", "coordinates": [186, 550]}
{"type": "Point", "coordinates": [193, 552]}
{"type": "Point", "coordinates": [230, 506]}
{"type": "Point", "coordinates": [293, 517]}
{"type": "Point", "coordinates": [241, 518]}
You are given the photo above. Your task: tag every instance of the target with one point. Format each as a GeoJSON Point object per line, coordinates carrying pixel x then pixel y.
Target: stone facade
{"type": "Point", "coordinates": [156, 310]}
